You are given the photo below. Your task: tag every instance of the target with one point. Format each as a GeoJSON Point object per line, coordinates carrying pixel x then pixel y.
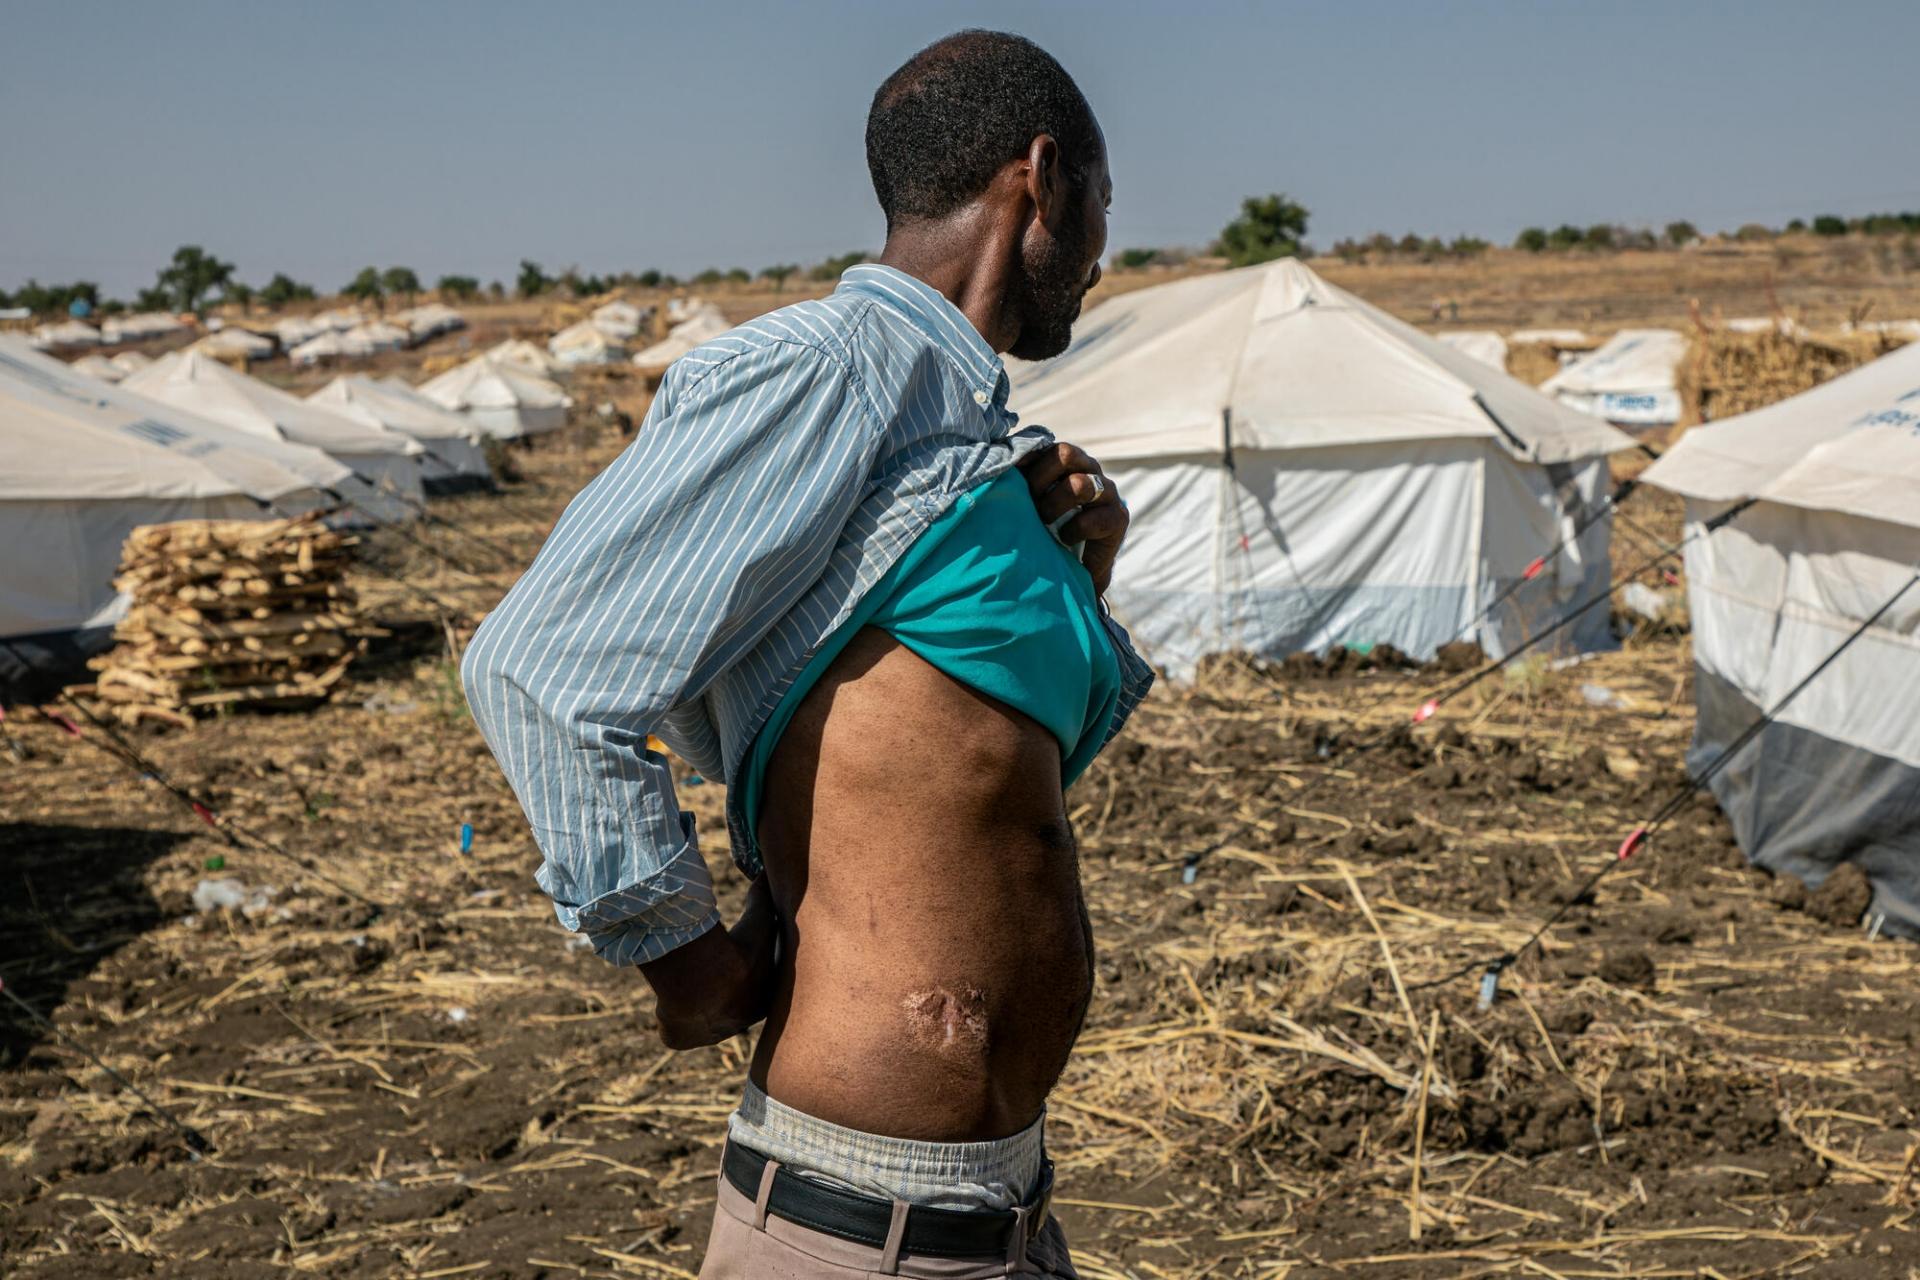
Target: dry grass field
{"type": "Point", "coordinates": [405, 1068]}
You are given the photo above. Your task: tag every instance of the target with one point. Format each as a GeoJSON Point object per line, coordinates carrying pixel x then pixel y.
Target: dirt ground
{"type": "Point", "coordinates": [1703, 1073]}
{"type": "Point", "coordinates": [406, 1069]}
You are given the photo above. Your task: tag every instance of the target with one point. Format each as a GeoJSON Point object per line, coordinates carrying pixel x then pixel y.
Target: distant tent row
{"type": "Point", "coordinates": [82, 463]}
{"type": "Point", "coordinates": [694, 323]}
{"type": "Point", "coordinates": [1835, 532]}
{"type": "Point", "coordinates": [1306, 471]}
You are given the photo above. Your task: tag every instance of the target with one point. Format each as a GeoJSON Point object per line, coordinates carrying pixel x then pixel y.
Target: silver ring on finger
{"type": "Point", "coordinates": [1099, 488]}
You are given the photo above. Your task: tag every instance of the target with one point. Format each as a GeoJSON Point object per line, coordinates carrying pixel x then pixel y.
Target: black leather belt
{"type": "Point", "coordinates": [864, 1219]}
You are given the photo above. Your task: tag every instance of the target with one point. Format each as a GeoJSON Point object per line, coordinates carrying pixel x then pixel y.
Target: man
{"type": "Point", "coordinates": [834, 571]}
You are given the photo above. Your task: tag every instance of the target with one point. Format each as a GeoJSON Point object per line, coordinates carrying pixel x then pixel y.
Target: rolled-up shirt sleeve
{"type": "Point", "coordinates": [664, 571]}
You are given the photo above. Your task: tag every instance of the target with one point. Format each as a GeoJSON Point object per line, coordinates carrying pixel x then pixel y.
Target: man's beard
{"type": "Point", "coordinates": [1048, 294]}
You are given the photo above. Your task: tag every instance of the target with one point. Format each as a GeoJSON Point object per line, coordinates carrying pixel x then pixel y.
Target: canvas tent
{"type": "Point", "coordinates": [131, 362]}
{"type": "Point", "coordinates": [1484, 345]}
{"type": "Point", "coordinates": [98, 366]}
{"type": "Point", "coordinates": [68, 333]}
{"type": "Point", "coordinates": [703, 323]}
{"type": "Point", "coordinates": [231, 342]}
{"type": "Point", "coordinates": [329, 345]}
{"type": "Point", "coordinates": [139, 327]}
{"type": "Point", "coordinates": [378, 335]}
{"type": "Point", "coordinates": [81, 464]}
{"type": "Point", "coordinates": [454, 458]}
{"type": "Point", "coordinates": [527, 355]}
{"type": "Point", "coordinates": [430, 321]}
{"type": "Point", "coordinates": [1305, 471]}
{"type": "Point", "coordinates": [1629, 380]}
{"type": "Point", "coordinates": [503, 400]}
{"type": "Point", "coordinates": [385, 462]}
{"type": "Point", "coordinates": [1835, 531]}
{"type": "Point", "coordinates": [618, 319]}
{"type": "Point", "coordinates": [586, 343]}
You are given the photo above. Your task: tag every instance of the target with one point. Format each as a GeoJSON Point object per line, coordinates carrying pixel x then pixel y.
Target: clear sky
{"type": "Point", "coordinates": [319, 138]}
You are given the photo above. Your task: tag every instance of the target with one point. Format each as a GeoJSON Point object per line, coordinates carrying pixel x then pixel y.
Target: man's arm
{"type": "Point", "coordinates": [666, 570]}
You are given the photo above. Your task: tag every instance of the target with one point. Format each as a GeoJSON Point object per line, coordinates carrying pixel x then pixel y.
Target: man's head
{"type": "Point", "coordinates": [988, 123]}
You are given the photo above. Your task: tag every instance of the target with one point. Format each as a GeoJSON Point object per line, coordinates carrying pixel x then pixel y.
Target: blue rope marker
{"type": "Point", "coordinates": [466, 837]}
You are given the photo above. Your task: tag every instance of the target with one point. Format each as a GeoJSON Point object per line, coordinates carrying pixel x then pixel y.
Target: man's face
{"type": "Point", "coordinates": [1059, 268]}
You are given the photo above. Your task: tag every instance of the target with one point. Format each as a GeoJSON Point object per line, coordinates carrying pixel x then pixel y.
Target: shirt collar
{"type": "Point", "coordinates": [931, 313]}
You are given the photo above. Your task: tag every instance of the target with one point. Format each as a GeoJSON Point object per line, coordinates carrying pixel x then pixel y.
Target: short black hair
{"type": "Point", "coordinates": [943, 124]}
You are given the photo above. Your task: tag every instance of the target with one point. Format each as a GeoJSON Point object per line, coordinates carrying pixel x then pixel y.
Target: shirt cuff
{"type": "Point", "coordinates": [632, 942]}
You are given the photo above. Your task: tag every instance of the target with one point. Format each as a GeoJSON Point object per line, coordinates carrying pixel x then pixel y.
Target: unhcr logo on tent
{"type": "Point", "coordinates": [155, 432]}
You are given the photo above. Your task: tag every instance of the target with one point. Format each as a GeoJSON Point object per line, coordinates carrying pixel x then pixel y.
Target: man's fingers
{"type": "Point", "coordinates": [1104, 523]}
{"type": "Point", "coordinates": [1076, 491]}
{"type": "Point", "coordinates": [1044, 467]}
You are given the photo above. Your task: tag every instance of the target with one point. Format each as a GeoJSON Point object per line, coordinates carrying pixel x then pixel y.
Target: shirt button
{"type": "Point", "coordinates": [980, 397]}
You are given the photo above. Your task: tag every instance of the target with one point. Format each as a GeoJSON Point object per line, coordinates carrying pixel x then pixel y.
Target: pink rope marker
{"type": "Point", "coordinates": [204, 814]}
{"type": "Point", "coordinates": [1631, 845]}
{"type": "Point", "coordinates": [1535, 569]}
{"type": "Point", "coordinates": [1427, 708]}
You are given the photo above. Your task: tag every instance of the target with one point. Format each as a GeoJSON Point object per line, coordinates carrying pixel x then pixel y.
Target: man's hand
{"type": "Point", "coordinates": [721, 983]}
{"type": "Point", "coordinates": [1065, 479]}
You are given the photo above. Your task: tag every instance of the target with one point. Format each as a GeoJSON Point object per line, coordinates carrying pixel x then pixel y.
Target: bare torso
{"type": "Point", "coordinates": [935, 956]}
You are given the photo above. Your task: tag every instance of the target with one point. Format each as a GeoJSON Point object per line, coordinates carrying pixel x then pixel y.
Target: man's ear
{"type": "Point", "coordinates": [1046, 183]}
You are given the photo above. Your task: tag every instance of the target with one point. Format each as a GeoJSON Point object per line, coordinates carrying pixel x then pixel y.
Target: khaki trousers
{"type": "Point", "coordinates": [750, 1244]}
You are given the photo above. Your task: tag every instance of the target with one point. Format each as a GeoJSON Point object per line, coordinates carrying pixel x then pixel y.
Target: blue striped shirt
{"type": "Point", "coordinates": [783, 468]}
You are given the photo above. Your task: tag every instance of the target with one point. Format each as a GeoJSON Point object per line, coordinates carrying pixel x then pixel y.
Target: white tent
{"type": "Point", "coordinates": [294, 330]}
{"type": "Point", "coordinates": [131, 362]}
{"type": "Point", "coordinates": [230, 342]}
{"type": "Point", "coordinates": [329, 345]}
{"type": "Point", "coordinates": [585, 343]}
{"type": "Point", "coordinates": [68, 333]}
{"type": "Point", "coordinates": [503, 400]}
{"type": "Point", "coordinates": [430, 320]}
{"type": "Point", "coordinates": [527, 355]}
{"type": "Point", "coordinates": [618, 319]}
{"type": "Point", "coordinates": [1761, 324]}
{"type": "Point", "coordinates": [1550, 337]}
{"type": "Point", "coordinates": [1629, 380]}
{"type": "Point", "coordinates": [98, 366]}
{"type": "Point", "coordinates": [139, 327]}
{"type": "Point", "coordinates": [1834, 533]}
{"type": "Point", "coordinates": [702, 324]}
{"type": "Point", "coordinates": [83, 462]}
{"type": "Point", "coordinates": [1909, 329]}
{"type": "Point", "coordinates": [379, 336]}
{"type": "Point", "coordinates": [454, 457]}
{"type": "Point", "coordinates": [341, 319]}
{"type": "Point", "coordinates": [1484, 345]}
{"type": "Point", "coordinates": [1305, 471]}
{"type": "Point", "coordinates": [385, 462]}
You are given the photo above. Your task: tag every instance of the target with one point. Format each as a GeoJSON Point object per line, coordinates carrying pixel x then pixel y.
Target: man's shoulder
{"type": "Point", "coordinates": [815, 329]}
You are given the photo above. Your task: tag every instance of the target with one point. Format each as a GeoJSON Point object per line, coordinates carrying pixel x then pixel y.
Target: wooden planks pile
{"type": "Point", "coordinates": [227, 614]}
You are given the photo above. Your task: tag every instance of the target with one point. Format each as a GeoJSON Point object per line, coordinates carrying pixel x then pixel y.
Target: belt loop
{"type": "Point", "coordinates": [1017, 1238]}
{"type": "Point", "coordinates": [766, 1192]}
{"type": "Point", "coordinates": [896, 1236]}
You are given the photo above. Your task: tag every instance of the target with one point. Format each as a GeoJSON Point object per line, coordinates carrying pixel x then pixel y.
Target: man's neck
{"type": "Point", "coordinates": [967, 260]}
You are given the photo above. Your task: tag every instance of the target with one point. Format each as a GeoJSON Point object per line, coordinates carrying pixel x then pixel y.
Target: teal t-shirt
{"type": "Point", "coordinates": [989, 597]}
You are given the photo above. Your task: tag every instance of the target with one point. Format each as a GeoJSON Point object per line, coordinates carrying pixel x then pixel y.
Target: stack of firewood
{"type": "Point", "coordinates": [227, 614]}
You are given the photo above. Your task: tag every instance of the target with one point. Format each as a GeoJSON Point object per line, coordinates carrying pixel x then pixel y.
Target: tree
{"type": "Point", "coordinates": [459, 288]}
{"type": "Point", "coordinates": [1682, 232]}
{"type": "Point", "coordinates": [192, 275]}
{"type": "Point", "coordinates": [1269, 227]}
{"type": "Point", "coordinates": [1410, 243]}
{"type": "Point", "coordinates": [283, 288]}
{"type": "Point", "coordinates": [1464, 246]}
{"type": "Point", "coordinates": [401, 281]}
{"type": "Point", "coordinates": [1134, 259]}
{"type": "Point", "coordinates": [711, 276]}
{"type": "Point", "coordinates": [365, 286]}
{"type": "Point", "coordinates": [834, 268]}
{"type": "Point", "coordinates": [1533, 240]}
{"type": "Point", "coordinates": [1797, 225]}
{"type": "Point", "coordinates": [1829, 225]}
{"type": "Point", "coordinates": [496, 290]}
{"type": "Point", "coordinates": [1599, 236]}
{"type": "Point", "coordinates": [650, 278]}
{"type": "Point", "coordinates": [738, 275]}
{"type": "Point", "coordinates": [154, 298]}
{"type": "Point", "coordinates": [533, 281]}
{"type": "Point", "coordinates": [239, 294]}
{"type": "Point", "coordinates": [1565, 236]}
{"type": "Point", "coordinates": [778, 274]}
{"type": "Point", "coordinates": [1753, 231]}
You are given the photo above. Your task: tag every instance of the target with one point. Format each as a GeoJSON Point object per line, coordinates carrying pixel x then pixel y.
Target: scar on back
{"type": "Point", "coordinates": [949, 1021]}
